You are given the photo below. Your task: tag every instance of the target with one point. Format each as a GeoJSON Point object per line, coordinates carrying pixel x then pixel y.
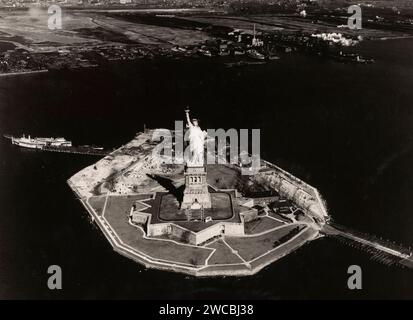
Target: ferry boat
{"type": "Point", "coordinates": [205, 53]}
{"type": "Point", "coordinates": [254, 54]}
{"type": "Point", "coordinates": [40, 143]}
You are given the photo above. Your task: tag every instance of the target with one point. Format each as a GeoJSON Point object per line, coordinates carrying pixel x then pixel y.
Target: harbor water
{"type": "Point", "coordinates": [345, 129]}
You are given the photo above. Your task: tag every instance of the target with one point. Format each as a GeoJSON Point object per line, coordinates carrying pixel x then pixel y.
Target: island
{"type": "Point", "coordinates": [196, 218]}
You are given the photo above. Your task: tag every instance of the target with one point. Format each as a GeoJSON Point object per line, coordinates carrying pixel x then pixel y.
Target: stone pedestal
{"type": "Point", "coordinates": [196, 195]}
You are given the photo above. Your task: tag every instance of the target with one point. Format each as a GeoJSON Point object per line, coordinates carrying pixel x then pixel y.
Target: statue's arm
{"type": "Point", "coordinates": [188, 119]}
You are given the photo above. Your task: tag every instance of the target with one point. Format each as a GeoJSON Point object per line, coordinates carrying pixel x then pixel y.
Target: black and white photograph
{"type": "Point", "coordinates": [199, 150]}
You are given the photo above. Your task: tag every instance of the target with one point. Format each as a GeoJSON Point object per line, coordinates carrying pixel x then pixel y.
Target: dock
{"type": "Point", "coordinates": [379, 250]}
{"type": "Point", "coordinates": [77, 150]}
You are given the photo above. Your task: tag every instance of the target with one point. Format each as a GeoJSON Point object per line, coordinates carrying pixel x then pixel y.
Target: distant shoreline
{"type": "Point", "coordinates": [22, 72]}
{"type": "Point", "coordinates": [394, 38]}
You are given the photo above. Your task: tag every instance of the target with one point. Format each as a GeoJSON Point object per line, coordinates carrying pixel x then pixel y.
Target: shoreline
{"type": "Point", "coordinates": [22, 72]}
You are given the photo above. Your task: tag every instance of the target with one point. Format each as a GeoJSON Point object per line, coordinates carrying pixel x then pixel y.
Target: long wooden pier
{"type": "Point", "coordinates": [382, 252]}
{"type": "Point", "coordinates": [77, 150]}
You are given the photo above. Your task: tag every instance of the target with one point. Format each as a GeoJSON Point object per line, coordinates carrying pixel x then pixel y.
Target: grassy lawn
{"type": "Point", "coordinates": [116, 214]}
{"type": "Point", "coordinates": [223, 177]}
{"type": "Point", "coordinates": [222, 254]}
{"type": "Point", "coordinates": [97, 204]}
{"type": "Point", "coordinates": [286, 248]}
{"type": "Point", "coordinates": [123, 204]}
{"type": "Point", "coordinates": [261, 225]}
{"type": "Point", "coordinates": [252, 247]}
{"type": "Point", "coordinates": [278, 216]}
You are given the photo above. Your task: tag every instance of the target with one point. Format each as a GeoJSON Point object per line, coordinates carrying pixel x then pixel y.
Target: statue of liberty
{"type": "Point", "coordinates": [196, 139]}
{"type": "Point", "coordinates": [196, 194]}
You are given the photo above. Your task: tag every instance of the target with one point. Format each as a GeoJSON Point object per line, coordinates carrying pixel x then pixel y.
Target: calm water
{"type": "Point", "coordinates": [345, 129]}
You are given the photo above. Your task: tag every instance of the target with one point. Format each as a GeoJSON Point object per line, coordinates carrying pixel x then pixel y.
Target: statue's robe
{"type": "Point", "coordinates": [196, 145]}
